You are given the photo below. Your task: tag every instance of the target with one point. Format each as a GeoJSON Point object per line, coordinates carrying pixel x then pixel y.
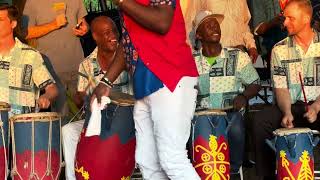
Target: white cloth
{"type": "Point", "coordinates": [70, 136]}
{"type": "Point", "coordinates": [162, 123]}
{"type": "Point", "coordinates": [94, 125]}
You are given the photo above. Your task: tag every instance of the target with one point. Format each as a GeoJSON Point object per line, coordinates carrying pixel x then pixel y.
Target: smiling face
{"type": "Point", "coordinates": [209, 31]}
{"type": "Point", "coordinates": [105, 34]}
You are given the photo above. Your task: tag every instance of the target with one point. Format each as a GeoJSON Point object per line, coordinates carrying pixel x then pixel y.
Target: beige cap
{"type": "Point", "coordinates": [203, 15]}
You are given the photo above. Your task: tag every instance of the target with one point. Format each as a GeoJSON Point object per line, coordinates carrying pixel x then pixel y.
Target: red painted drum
{"type": "Point", "coordinates": [210, 150]}
{"type": "Point", "coordinates": [4, 139]}
{"type": "Point", "coordinates": [36, 146]}
{"type": "Point", "coordinates": [109, 155]}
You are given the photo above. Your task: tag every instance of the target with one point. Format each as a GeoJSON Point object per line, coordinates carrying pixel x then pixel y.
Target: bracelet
{"type": "Point", "coordinates": [106, 82]}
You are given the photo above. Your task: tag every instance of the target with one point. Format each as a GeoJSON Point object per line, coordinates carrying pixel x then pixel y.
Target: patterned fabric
{"type": "Point", "coordinates": [221, 82]}
{"type": "Point", "coordinates": [90, 69]}
{"type": "Point", "coordinates": [288, 59]}
{"type": "Point", "coordinates": [22, 74]}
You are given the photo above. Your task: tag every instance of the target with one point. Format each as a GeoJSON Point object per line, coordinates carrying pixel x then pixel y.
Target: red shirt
{"type": "Point", "coordinates": [168, 56]}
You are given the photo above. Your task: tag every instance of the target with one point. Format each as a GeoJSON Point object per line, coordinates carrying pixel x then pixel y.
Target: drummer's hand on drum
{"type": "Point", "coordinates": [239, 102]}
{"type": "Point", "coordinates": [99, 91]}
{"type": "Point", "coordinates": [287, 120]}
{"type": "Point", "coordinates": [312, 113]}
{"type": "Point", "coordinates": [43, 102]}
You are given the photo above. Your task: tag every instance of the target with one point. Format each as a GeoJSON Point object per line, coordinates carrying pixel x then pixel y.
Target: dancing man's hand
{"type": "Point", "coordinates": [253, 53]}
{"type": "Point", "coordinates": [99, 91]}
{"type": "Point", "coordinates": [61, 20]}
{"type": "Point", "coordinates": [287, 121]}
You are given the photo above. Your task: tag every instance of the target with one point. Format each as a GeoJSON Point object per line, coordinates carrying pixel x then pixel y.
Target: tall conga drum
{"type": "Point", "coordinates": [4, 140]}
{"type": "Point", "coordinates": [294, 152]}
{"type": "Point", "coordinates": [109, 155]}
{"type": "Point", "coordinates": [36, 146]}
{"type": "Point", "coordinates": [209, 149]}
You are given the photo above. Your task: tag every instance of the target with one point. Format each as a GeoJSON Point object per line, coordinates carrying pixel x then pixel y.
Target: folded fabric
{"type": "Point", "coordinates": [94, 125]}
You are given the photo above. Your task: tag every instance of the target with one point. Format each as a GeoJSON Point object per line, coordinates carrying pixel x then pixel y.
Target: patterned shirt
{"type": "Point", "coordinates": [221, 82]}
{"type": "Point", "coordinates": [22, 75]}
{"type": "Point", "coordinates": [90, 69]}
{"type": "Point", "coordinates": [288, 60]}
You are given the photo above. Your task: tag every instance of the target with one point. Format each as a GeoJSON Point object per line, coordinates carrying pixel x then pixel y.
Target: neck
{"type": "Point", "coordinates": [105, 58]}
{"type": "Point", "coordinates": [211, 49]}
{"type": "Point", "coordinates": [304, 38]}
{"type": "Point", "coordinates": [6, 44]}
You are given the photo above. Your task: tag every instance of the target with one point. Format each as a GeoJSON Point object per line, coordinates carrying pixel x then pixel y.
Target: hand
{"type": "Point", "coordinates": [312, 114]}
{"type": "Point", "coordinates": [287, 121]}
{"type": "Point", "coordinates": [239, 102]}
{"type": "Point", "coordinates": [43, 102]}
{"type": "Point", "coordinates": [61, 20]}
{"type": "Point", "coordinates": [99, 91]}
{"type": "Point", "coordinates": [253, 53]}
{"type": "Point", "coordinates": [82, 30]}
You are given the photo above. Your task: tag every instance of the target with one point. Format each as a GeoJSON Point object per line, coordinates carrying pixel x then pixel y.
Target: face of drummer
{"type": "Point", "coordinates": [297, 18]}
{"type": "Point", "coordinates": [209, 31]}
{"type": "Point", "coordinates": [105, 34]}
{"type": "Point", "coordinates": [6, 24]}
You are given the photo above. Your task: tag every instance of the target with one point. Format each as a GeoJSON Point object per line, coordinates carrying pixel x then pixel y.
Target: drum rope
{"type": "Point", "coordinates": [60, 128]}
{"type": "Point", "coordinates": [14, 170]}
{"type": "Point", "coordinates": [192, 137]}
{"type": "Point", "coordinates": [5, 149]}
{"type": "Point", "coordinates": [48, 170]}
{"type": "Point", "coordinates": [33, 174]}
{"type": "Point", "coordinates": [80, 110]}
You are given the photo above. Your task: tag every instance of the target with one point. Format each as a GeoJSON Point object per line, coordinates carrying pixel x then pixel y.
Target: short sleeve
{"type": "Point", "coordinates": [41, 76]}
{"type": "Point", "coordinates": [247, 73]}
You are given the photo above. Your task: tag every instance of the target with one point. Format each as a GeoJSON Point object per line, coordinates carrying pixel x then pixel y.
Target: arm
{"type": "Point", "coordinates": [313, 111]}
{"type": "Point", "coordinates": [156, 18]}
{"type": "Point", "coordinates": [51, 92]}
{"type": "Point", "coordinates": [42, 30]}
{"type": "Point", "coordinates": [115, 69]}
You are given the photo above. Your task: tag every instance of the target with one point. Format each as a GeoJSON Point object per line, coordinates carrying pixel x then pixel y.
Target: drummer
{"type": "Point", "coordinates": [91, 70]}
{"type": "Point", "coordinates": [227, 79]}
{"type": "Point", "coordinates": [22, 71]}
{"type": "Point", "coordinates": [295, 56]}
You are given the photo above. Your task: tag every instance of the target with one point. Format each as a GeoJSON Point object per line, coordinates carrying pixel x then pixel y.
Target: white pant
{"type": "Point", "coordinates": [70, 136]}
{"type": "Point", "coordinates": [162, 122]}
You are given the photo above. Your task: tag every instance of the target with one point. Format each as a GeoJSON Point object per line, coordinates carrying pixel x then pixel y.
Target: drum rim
{"type": "Point", "coordinates": [290, 131]}
{"type": "Point", "coordinates": [4, 106]}
{"type": "Point", "coordinates": [210, 112]}
{"type": "Point", "coordinates": [53, 116]}
{"type": "Point", "coordinates": [123, 102]}
{"type": "Point", "coordinates": [122, 99]}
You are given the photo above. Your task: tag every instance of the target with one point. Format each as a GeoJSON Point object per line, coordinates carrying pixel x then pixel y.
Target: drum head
{"type": "Point", "coordinates": [4, 106]}
{"type": "Point", "coordinates": [210, 112]}
{"type": "Point", "coordinates": [122, 99]}
{"type": "Point", "coordinates": [43, 117]}
{"type": "Point", "coordinates": [288, 131]}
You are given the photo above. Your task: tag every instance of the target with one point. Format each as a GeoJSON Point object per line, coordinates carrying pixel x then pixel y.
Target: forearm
{"type": "Point", "coordinates": [316, 104]}
{"type": "Point", "coordinates": [51, 92]}
{"type": "Point", "coordinates": [283, 100]}
{"type": "Point", "coordinates": [39, 31]}
{"type": "Point", "coordinates": [155, 18]}
{"type": "Point", "coordinates": [117, 66]}
{"type": "Point", "coordinates": [251, 90]}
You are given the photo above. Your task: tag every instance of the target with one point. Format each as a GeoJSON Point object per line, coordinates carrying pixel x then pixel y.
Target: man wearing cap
{"type": "Point", "coordinates": [164, 80]}
{"type": "Point", "coordinates": [227, 79]}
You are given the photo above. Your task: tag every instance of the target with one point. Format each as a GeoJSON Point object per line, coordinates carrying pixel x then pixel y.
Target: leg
{"type": "Point", "coordinates": [70, 136]}
{"type": "Point", "coordinates": [264, 123]}
{"type": "Point", "coordinates": [236, 139]}
{"type": "Point", "coordinates": [171, 114]}
{"type": "Point", "coordinates": [146, 152]}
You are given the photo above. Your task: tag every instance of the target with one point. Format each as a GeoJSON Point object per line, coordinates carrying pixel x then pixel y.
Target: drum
{"type": "Point", "coordinates": [209, 150]}
{"type": "Point", "coordinates": [109, 155]}
{"type": "Point", "coordinates": [36, 146]}
{"type": "Point", "coordinates": [294, 152]}
{"type": "Point", "coordinates": [4, 140]}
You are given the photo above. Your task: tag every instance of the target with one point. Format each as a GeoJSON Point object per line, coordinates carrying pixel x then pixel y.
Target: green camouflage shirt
{"type": "Point", "coordinates": [288, 60]}
{"type": "Point", "coordinates": [221, 82]}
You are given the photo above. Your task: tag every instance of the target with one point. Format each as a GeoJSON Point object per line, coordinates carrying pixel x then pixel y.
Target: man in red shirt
{"type": "Point", "coordinates": [164, 80]}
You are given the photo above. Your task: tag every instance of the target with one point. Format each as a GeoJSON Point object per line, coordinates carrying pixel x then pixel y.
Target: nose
{"type": "Point", "coordinates": [285, 22]}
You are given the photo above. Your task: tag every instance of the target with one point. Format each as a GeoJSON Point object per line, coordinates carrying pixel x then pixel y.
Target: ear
{"type": "Point", "coordinates": [94, 36]}
{"type": "Point", "coordinates": [13, 24]}
{"type": "Point", "coordinates": [307, 19]}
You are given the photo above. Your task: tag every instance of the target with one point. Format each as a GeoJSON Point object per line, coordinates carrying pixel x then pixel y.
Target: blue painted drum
{"type": "Point", "coordinates": [294, 152]}
{"type": "Point", "coordinates": [36, 146]}
{"type": "Point", "coordinates": [210, 150]}
{"type": "Point", "coordinates": [4, 139]}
